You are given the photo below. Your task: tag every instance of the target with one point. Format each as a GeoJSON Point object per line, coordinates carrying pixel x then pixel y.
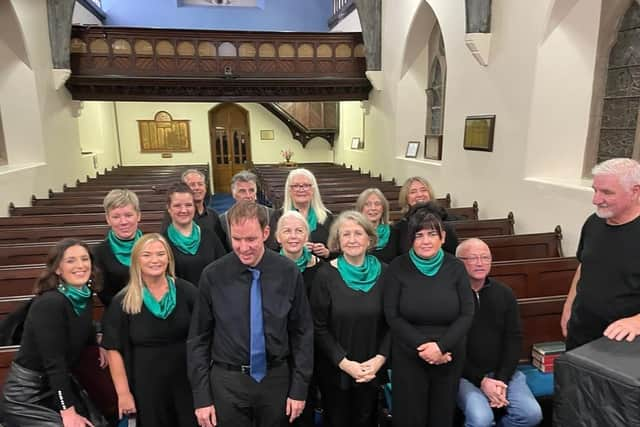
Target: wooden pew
{"type": "Point", "coordinates": [9, 304]}
{"type": "Point", "coordinates": [29, 253]}
{"type": "Point", "coordinates": [55, 233]}
{"type": "Point", "coordinates": [96, 199]}
{"type": "Point", "coordinates": [540, 319]}
{"type": "Point", "coordinates": [16, 280]}
{"type": "Point", "coordinates": [536, 277]}
{"type": "Point", "coordinates": [7, 354]}
{"type": "Point", "coordinates": [484, 227]}
{"type": "Point", "coordinates": [461, 212]}
{"type": "Point", "coordinates": [68, 219]}
{"type": "Point", "coordinates": [82, 208]}
{"type": "Point", "coordinates": [526, 246]}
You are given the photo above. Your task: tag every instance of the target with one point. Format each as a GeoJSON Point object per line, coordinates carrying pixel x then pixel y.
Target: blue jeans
{"type": "Point", "coordinates": [523, 409]}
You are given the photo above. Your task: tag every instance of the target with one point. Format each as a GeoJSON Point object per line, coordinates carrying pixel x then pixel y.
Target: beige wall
{"type": "Point", "coordinates": [41, 132]}
{"type": "Point", "coordinates": [537, 84]}
{"type": "Point", "coordinates": [317, 150]}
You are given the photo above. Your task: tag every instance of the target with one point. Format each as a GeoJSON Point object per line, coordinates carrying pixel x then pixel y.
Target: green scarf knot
{"type": "Point", "coordinates": [360, 277]}
{"type": "Point", "coordinates": [163, 308]}
{"type": "Point", "coordinates": [186, 244]}
{"type": "Point", "coordinates": [428, 267]}
{"type": "Point", "coordinates": [383, 231]}
{"type": "Point", "coordinates": [122, 248]}
{"type": "Point", "coordinates": [303, 260]}
{"type": "Point", "coordinates": [79, 297]}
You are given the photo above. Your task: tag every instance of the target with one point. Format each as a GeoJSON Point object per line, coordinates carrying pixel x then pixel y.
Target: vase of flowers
{"type": "Point", "coordinates": [287, 154]}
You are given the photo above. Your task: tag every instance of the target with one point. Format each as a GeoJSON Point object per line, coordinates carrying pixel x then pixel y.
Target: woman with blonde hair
{"type": "Point", "coordinates": [145, 333]}
{"type": "Point", "coordinates": [416, 194]}
{"type": "Point", "coordinates": [301, 193]}
{"type": "Point", "coordinates": [375, 207]}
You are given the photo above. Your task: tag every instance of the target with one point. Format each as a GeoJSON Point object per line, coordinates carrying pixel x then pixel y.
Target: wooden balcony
{"type": "Point", "coordinates": [124, 64]}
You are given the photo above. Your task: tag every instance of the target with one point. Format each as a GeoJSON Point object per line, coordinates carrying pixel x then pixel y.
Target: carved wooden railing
{"type": "Point", "coordinates": [120, 63]}
{"type": "Point", "coordinates": [307, 120]}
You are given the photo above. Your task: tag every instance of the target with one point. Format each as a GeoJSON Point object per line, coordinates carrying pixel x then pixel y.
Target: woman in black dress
{"type": "Point", "coordinates": [193, 247]}
{"type": "Point", "coordinates": [292, 234]}
{"type": "Point", "coordinates": [145, 333]}
{"type": "Point", "coordinates": [39, 389]}
{"type": "Point", "coordinates": [428, 304]}
{"type": "Point", "coordinates": [375, 207]}
{"type": "Point", "coordinates": [113, 254]}
{"type": "Point", "coordinates": [352, 337]}
{"type": "Point", "coordinates": [415, 194]}
{"type": "Point", "coordinates": [301, 193]}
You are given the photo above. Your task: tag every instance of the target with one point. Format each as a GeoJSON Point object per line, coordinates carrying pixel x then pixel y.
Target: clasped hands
{"type": "Point", "coordinates": [430, 352]}
{"type": "Point", "coordinates": [496, 392]}
{"type": "Point", "coordinates": [362, 372]}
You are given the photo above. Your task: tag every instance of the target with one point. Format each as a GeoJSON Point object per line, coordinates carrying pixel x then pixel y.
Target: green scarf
{"type": "Point", "coordinates": [312, 219]}
{"type": "Point", "coordinates": [303, 260]}
{"type": "Point", "coordinates": [428, 267]}
{"type": "Point", "coordinates": [186, 244]}
{"type": "Point", "coordinates": [163, 308]}
{"type": "Point", "coordinates": [383, 231]}
{"type": "Point", "coordinates": [79, 297]}
{"type": "Point", "coordinates": [122, 248]}
{"type": "Point", "coordinates": [360, 278]}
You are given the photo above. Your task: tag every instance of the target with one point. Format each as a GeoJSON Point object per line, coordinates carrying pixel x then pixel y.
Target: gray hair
{"type": "Point", "coordinates": [316, 199]}
{"type": "Point", "coordinates": [243, 176]}
{"type": "Point", "coordinates": [627, 171]}
{"type": "Point", "coordinates": [362, 199]}
{"type": "Point", "coordinates": [119, 198]}
{"type": "Point", "coordinates": [463, 246]}
{"type": "Point", "coordinates": [188, 172]}
{"type": "Point", "coordinates": [334, 232]}
{"type": "Point", "coordinates": [293, 215]}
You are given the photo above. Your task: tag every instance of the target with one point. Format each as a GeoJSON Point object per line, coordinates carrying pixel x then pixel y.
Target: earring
{"type": "Point", "coordinates": [60, 282]}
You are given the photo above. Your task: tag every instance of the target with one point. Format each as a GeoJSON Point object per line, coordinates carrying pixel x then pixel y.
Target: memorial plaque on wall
{"type": "Point", "coordinates": [164, 134]}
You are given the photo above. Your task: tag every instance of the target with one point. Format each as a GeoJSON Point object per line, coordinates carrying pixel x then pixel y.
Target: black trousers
{"type": "Point", "coordinates": [354, 407]}
{"type": "Point", "coordinates": [424, 395]}
{"type": "Point", "coordinates": [242, 402]}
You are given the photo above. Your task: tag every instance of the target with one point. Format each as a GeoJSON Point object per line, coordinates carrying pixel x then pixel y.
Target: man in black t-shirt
{"type": "Point", "coordinates": [604, 298]}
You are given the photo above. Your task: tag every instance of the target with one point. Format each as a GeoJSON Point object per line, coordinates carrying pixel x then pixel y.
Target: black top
{"type": "Point", "coordinates": [404, 240]}
{"type": "Point", "coordinates": [309, 275]}
{"type": "Point", "coordinates": [123, 332]}
{"type": "Point", "coordinates": [115, 276]}
{"type": "Point", "coordinates": [391, 249]}
{"type": "Point", "coordinates": [220, 324]}
{"type": "Point", "coordinates": [495, 337]}
{"type": "Point", "coordinates": [348, 323]}
{"type": "Point", "coordinates": [271, 240]}
{"type": "Point", "coordinates": [189, 267]}
{"type": "Point", "coordinates": [208, 219]}
{"type": "Point", "coordinates": [319, 235]}
{"type": "Point", "coordinates": [609, 285]}
{"type": "Point", "coordinates": [420, 308]}
{"type": "Point", "coordinates": [53, 340]}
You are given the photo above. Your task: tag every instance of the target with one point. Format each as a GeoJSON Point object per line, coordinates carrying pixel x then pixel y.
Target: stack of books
{"type": "Point", "coordinates": [545, 353]}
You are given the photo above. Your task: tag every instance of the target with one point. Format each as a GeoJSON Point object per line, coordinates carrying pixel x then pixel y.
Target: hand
{"type": "Point", "coordinates": [374, 364]}
{"type": "Point", "coordinates": [103, 361]}
{"type": "Point", "coordinates": [496, 392]}
{"type": "Point", "coordinates": [294, 408]}
{"type": "Point", "coordinates": [446, 358]}
{"type": "Point", "coordinates": [206, 416]}
{"type": "Point", "coordinates": [126, 405]}
{"type": "Point", "coordinates": [70, 418]}
{"type": "Point", "coordinates": [564, 319]}
{"type": "Point", "coordinates": [357, 371]}
{"type": "Point", "coordinates": [626, 328]}
{"type": "Point", "coordinates": [319, 249]}
{"type": "Point", "coordinates": [430, 352]}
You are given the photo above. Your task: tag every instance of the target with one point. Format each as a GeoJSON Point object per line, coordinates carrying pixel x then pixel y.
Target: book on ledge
{"type": "Point", "coordinates": [547, 348]}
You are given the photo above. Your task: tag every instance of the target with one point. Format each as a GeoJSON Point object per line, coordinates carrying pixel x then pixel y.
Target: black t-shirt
{"type": "Point", "coordinates": [609, 285]}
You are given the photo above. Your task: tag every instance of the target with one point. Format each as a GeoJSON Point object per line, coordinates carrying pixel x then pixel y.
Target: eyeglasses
{"type": "Point", "coordinates": [298, 187]}
{"type": "Point", "coordinates": [484, 259]}
{"type": "Point", "coordinates": [375, 204]}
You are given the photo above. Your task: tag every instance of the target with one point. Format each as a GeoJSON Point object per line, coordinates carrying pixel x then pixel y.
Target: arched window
{"type": "Point", "coordinates": [617, 91]}
{"type": "Point", "coordinates": [435, 95]}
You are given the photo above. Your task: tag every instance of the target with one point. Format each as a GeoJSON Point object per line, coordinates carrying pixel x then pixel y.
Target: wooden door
{"type": "Point", "coordinates": [230, 143]}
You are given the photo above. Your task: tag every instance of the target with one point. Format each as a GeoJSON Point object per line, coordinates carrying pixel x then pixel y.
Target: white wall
{"type": "Point", "coordinates": [317, 150]}
{"type": "Point", "coordinates": [41, 132]}
{"type": "Point", "coordinates": [538, 89]}
{"type": "Point", "coordinates": [82, 16]}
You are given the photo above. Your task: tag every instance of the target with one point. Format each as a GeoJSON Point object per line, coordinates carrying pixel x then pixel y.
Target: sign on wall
{"type": "Point", "coordinates": [163, 134]}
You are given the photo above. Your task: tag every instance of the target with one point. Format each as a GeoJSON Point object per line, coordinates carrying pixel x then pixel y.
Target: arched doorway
{"type": "Point", "coordinates": [230, 143]}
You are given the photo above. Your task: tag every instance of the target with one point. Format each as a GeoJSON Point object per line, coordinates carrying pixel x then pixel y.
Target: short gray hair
{"type": "Point", "coordinates": [243, 176]}
{"type": "Point", "coordinates": [334, 232]}
{"type": "Point", "coordinates": [627, 171]}
{"type": "Point", "coordinates": [119, 198]}
{"type": "Point", "coordinates": [462, 247]}
{"type": "Point", "coordinates": [188, 172]}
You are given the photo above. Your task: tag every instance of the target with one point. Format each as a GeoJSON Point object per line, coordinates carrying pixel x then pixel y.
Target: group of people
{"type": "Point", "coordinates": [257, 317]}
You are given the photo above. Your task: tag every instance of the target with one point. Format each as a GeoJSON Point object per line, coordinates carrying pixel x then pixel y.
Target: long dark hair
{"type": "Point", "coordinates": [49, 278]}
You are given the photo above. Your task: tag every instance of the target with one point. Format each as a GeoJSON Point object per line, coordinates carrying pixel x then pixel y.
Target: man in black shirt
{"type": "Point", "coordinates": [241, 377]}
{"type": "Point", "coordinates": [605, 293]}
{"type": "Point", "coordinates": [489, 379]}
